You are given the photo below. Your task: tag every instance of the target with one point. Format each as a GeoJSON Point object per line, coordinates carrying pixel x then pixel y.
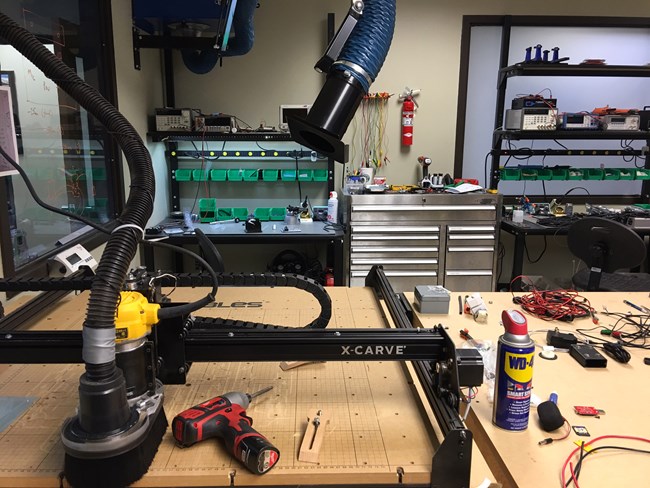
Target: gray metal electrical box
{"type": "Point", "coordinates": [432, 299]}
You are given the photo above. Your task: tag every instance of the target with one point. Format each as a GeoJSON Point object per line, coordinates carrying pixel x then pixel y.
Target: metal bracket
{"type": "Point", "coordinates": [136, 49]}
{"type": "Point", "coordinates": [340, 38]}
{"type": "Point", "coordinates": [451, 463]}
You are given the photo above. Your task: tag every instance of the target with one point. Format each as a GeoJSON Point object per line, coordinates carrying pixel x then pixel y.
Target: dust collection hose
{"type": "Point", "coordinates": [348, 81]}
{"type": "Point", "coordinates": [99, 328]}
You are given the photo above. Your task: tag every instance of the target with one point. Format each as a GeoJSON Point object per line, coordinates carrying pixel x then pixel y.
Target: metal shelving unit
{"type": "Point", "coordinates": [584, 70]}
{"type": "Point", "coordinates": [173, 154]}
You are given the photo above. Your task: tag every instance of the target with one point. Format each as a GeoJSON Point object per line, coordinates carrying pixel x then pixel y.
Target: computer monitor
{"type": "Point", "coordinates": [293, 110]}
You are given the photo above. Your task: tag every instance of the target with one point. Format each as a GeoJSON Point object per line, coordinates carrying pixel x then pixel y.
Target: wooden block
{"type": "Point", "coordinates": [287, 365]}
{"type": "Point", "coordinates": [313, 439]}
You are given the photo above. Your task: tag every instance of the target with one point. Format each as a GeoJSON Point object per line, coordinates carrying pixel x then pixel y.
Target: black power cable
{"type": "Point", "coordinates": [169, 311]}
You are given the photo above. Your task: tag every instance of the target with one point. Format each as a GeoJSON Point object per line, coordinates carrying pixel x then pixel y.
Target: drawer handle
{"type": "Point", "coordinates": [394, 249]}
{"type": "Point", "coordinates": [470, 249]}
{"type": "Point", "coordinates": [471, 228]}
{"type": "Point", "coordinates": [469, 272]}
{"type": "Point", "coordinates": [394, 261]}
{"type": "Point", "coordinates": [471, 237]}
{"type": "Point", "coordinates": [395, 238]}
{"type": "Point", "coordinates": [362, 274]}
{"type": "Point", "coordinates": [420, 208]}
{"type": "Point", "coordinates": [395, 228]}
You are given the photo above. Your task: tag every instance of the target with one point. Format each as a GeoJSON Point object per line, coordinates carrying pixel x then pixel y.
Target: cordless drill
{"type": "Point", "coordinates": [225, 416]}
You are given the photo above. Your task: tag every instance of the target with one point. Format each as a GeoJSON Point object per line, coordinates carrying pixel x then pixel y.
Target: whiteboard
{"type": "Point", "coordinates": [8, 140]}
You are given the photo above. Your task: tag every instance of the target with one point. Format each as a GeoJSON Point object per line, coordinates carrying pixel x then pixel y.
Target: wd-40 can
{"type": "Point", "coordinates": [514, 373]}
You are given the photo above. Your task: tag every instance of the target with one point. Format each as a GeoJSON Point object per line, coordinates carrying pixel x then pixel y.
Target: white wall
{"type": "Point", "coordinates": [425, 54]}
{"type": "Point", "coordinates": [139, 92]}
{"type": "Point", "coordinates": [290, 37]}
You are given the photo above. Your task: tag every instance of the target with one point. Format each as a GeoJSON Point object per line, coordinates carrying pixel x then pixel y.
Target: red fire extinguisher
{"type": "Point", "coordinates": [408, 110]}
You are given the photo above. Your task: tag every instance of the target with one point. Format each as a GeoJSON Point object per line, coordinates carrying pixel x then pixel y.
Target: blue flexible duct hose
{"type": "Point", "coordinates": [370, 40]}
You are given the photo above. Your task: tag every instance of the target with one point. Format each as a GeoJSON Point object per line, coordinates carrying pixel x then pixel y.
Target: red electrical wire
{"type": "Point", "coordinates": [595, 439]}
{"type": "Point", "coordinates": [554, 304]}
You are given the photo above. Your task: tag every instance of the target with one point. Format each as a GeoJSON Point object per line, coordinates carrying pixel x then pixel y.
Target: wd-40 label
{"type": "Point", "coordinates": [513, 387]}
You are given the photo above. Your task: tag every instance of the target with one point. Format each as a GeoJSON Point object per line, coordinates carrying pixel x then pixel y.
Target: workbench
{"type": "Point", "coordinates": [376, 427]}
{"type": "Point", "coordinates": [621, 390]}
{"type": "Point", "coordinates": [376, 424]}
{"type": "Point", "coordinates": [312, 233]}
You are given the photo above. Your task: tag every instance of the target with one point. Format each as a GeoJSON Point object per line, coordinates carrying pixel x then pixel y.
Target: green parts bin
{"type": "Point", "coordinates": [224, 213]}
{"type": "Point", "coordinates": [528, 174]}
{"type": "Point", "coordinates": [250, 174]}
{"type": "Point", "coordinates": [576, 174]}
{"type": "Point", "coordinates": [240, 213]}
{"type": "Point", "coordinates": [320, 174]}
{"type": "Point", "coordinates": [200, 175]}
{"type": "Point", "coordinates": [594, 174]}
{"type": "Point", "coordinates": [510, 174]}
{"type": "Point", "coordinates": [262, 213]}
{"type": "Point", "coordinates": [183, 174]}
{"type": "Point", "coordinates": [305, 175]}
{"type": "Point", "coordinates": [235, 174]}
{"type": "Point", "coordinates": [218, 174]}
{"type": "Point", "coordinates": [269, 175]}
{"type": "Point", "coordinates": [288, 175]}
{"type": "Point", "coordinates": [641, 174]}
{"type": "Point", "coordinates": [207, 210]}
{"type": "Point", "coordinates": [278, 213]}
{"type": "Point", "coordinates": [626, 173]}
{"type": "Point", "coordinates": [612, 174]}
{"type": "Point", "coordinates": [544, 174]}
{"type": "Point", "coordinates": [560, 173]}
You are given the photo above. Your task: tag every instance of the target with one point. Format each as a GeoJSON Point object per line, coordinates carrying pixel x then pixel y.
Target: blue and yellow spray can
{"type": "Point", "coordinates": [514, 373]}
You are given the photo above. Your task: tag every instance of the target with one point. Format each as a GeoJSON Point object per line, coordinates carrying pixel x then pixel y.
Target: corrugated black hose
{"type": "Point", "coordinates": [122, 244]}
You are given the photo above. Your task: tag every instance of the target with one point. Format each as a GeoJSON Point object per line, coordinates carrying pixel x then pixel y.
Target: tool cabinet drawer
{"type": "Point", "coordinates": [395, 230]}
{"type": "Point", "coordinates": [469, 257]}
{"type": "Point", "coordinates": [382, 252]}
{"type": "Point", "coordinates": [425, 212]}
{"type": "Point", "coordinates": [400, 280]}
{"type": "Point", "coordinates": [465, 279]}
{"type": "Point", "coordinates": [361, 240]}
{"type": "Point", "coordinates": [387, 262]}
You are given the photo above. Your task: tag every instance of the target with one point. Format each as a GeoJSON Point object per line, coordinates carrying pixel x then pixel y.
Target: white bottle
{"type": "Point", "coordinates": [332, 208]}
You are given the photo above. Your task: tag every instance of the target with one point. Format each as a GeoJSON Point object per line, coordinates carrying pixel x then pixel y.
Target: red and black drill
{"type": "Point", "coordinates": [225, 416]}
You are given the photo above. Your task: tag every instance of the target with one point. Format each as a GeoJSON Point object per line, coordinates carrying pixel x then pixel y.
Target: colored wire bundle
{"type": "Point", "coordinates": [638, 337]}
{"type": "Point", "coordinates": [564, 305]}
{"type": "Point", "coordinates": [374, 138]}
{"type": "Point", "coordinates": [583, 453]}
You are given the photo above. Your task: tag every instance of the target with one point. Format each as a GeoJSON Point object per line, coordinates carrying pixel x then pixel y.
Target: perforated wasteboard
{"type": "Point", "coordinates": [375, 425]}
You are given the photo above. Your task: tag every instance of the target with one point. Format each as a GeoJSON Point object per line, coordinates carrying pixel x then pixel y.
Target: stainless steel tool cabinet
{"type": "Point", "coordinates": [443, 239]}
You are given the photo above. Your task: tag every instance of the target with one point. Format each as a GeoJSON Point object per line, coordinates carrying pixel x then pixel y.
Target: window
{"type": "Point", "coordinates": [67, 154]}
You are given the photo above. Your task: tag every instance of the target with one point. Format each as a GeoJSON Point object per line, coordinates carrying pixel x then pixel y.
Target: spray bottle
{"type": "Point", "coordinates": [514, 382]}
{"type": "Point", "coordinates": [332, 208]}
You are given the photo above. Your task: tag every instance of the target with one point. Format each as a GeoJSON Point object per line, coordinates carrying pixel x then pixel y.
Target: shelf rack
{"type": "Point", "coordinates": [549, 69]}
{"type": "Point", "coordinates": [173, 154]}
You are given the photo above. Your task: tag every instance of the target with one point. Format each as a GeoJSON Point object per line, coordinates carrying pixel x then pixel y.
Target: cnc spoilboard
{"type": "Point", "coordinates": [375, 426]}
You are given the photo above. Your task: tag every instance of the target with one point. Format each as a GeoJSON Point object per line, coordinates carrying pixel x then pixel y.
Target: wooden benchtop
{"type": "Point", "coordinates": [376, 426]}
{"type": "Point", "coordinates": [622, 390]}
